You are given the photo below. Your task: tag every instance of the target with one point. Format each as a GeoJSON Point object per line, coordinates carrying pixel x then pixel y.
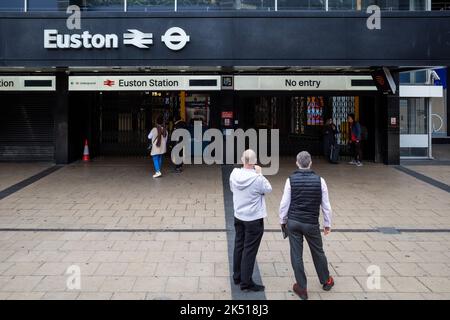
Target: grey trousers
{"type": "Point", "coordinates": [311, 232]}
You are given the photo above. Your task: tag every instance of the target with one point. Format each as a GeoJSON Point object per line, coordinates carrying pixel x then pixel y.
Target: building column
{"type": "Point", "coordinates": [222, 101]}
{"type": "Point", "coordinates": [392, 124]}
{"type": "Point", "coordinates": [378, 130]}
{"type": "Point", "coordinates": [61, 118]}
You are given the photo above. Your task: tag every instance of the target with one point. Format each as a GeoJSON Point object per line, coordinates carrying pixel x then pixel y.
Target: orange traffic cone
{"type": "Point", "coordinates": [86, 151]}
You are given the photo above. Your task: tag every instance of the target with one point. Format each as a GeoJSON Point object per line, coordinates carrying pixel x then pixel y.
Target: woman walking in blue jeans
{"type": "Point", "coordinates": [158, 137]}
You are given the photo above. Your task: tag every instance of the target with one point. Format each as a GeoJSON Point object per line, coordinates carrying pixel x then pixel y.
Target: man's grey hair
{"type": "Point", "coordinates": [304, 159]}
{"type": "Point", "coordinates": [249, 157]}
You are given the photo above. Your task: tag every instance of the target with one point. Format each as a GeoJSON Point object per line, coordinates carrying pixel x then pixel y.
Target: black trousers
{"type": "Point", "coordinates": [177, 166]}
{"type": "Point", "coordinates": [246, 245]}
{"type": "Point", "coordinates": [356, 150]}
{"type": "Point", "coordinates": [311, 232]}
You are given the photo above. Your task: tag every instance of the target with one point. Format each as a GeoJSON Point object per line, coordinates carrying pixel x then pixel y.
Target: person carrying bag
{"type": "Point", "coordinates": [158, 145]}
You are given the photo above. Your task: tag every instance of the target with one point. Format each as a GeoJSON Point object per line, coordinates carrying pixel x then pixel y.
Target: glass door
{"type": "Point", "coordinates": [414, 128]}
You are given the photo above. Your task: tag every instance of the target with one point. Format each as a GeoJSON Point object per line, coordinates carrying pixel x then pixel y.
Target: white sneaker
{"type": "Point", "coordinates": [359, 164]}
{"type": "Point", "coordinates": [352, 162]}
{"type": "Point", "coordinates": [157, 175]}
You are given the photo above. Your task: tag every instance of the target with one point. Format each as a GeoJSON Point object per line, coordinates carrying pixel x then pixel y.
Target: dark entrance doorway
{"type": "Point", "coordinates": [117, 123]}
{"type": "Point", "coordinates": [126, 118]}
{"type": "Point", "coordinates": [27, 126]}
{"type": "Point", "coordinates": [300, 118]}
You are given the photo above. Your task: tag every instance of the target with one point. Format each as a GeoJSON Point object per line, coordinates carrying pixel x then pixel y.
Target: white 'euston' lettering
{"type": "Point", "coordinates": [55, 40]}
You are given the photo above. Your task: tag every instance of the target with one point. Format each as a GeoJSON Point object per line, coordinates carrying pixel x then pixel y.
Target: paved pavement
{"type": "Point", "coordinates": [185, 252]}
{"type": "Point", "coordinates": [437, 172]}
{"type": "Point", "coordinates": [12, 173]}
{"type": "Point", "coordinates": [373, 196]}
{"type": "Point", "coordinates": [118, 194]}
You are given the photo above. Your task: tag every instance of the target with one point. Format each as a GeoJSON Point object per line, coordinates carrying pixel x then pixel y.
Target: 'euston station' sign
{"type": "Point", "coordinates": [211, 82]}
{"type": "Point", "coordinates": [143, 83]}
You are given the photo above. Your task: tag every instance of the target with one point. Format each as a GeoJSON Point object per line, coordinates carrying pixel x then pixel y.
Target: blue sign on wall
{"type": "Point", "coordinates": [442, 73]}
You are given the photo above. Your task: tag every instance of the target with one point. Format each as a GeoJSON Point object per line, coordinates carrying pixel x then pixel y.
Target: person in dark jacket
{"type": "Point", "coordinates": [304, 194]}
{"type": "Point", "coordinates": [178, 124]}
{"type": "Point", "coordinates": [329, 140]}
{"type": "Point", "coordinates": [355, 140]}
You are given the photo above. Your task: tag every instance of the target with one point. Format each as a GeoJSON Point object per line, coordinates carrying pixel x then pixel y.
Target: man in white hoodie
{"type": "Point", "coordinates": [248, 186]}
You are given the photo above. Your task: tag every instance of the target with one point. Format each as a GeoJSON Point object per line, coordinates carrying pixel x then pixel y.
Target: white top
{"type": "Point", "coordinates": [162, 148]}
{"type": "Point", "coordinates": [249, 189]}
{"type": "Point", "coordinates": [286, 201]}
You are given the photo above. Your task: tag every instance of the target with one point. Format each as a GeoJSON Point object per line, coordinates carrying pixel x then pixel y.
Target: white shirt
{"type": "Point", "coordinates": [286, 201]}
{"type": "Point", "coordinates": [152, 136]}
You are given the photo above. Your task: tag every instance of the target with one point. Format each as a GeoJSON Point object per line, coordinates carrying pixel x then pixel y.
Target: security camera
{"type": "Point", "coordinates": [434, 76]}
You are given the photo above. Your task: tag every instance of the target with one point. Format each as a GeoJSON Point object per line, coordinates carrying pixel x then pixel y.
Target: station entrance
{"type": "Point", "coordinates": [126, 118]}
{"type": "Point", "coordinates": [117, 123]}
{"type": "Point", "coordinates": [301, 119]}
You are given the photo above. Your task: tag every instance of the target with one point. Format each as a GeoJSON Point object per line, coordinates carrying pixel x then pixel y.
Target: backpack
{"type": "Point", "coordinates": [364, 133]}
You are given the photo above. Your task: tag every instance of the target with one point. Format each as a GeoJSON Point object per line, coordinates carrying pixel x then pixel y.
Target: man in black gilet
{"type": "Point", "coordinates": [304, 194]}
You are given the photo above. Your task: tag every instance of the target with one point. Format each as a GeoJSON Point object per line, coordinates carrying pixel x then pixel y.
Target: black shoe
{"type": "Point", "coordinates": [236, 281]}
{"type": "Point", "coordinates": [329, 284]}
{"type": "Point", "coordinates": [302, 293]}
{"type": "Point", "coordinates": [254, 287]}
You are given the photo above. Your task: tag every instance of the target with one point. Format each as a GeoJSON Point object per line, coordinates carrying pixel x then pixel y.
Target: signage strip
{"type": "Point", "coordinates": [144, 83]}
{"type": "Point", "coordinates": [303, 83]}
{"type": "Point", "coordinates": [27, 83]}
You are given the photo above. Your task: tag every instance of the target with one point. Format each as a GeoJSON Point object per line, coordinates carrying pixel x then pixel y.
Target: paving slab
{"type": "Point", "coordinates": [12, 173]}
{"type": "Point", "coordinates": [135, 237]}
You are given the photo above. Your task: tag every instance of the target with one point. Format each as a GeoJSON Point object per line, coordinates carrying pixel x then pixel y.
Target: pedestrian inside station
{"type": "Point", "coordinates": [122, 120]}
